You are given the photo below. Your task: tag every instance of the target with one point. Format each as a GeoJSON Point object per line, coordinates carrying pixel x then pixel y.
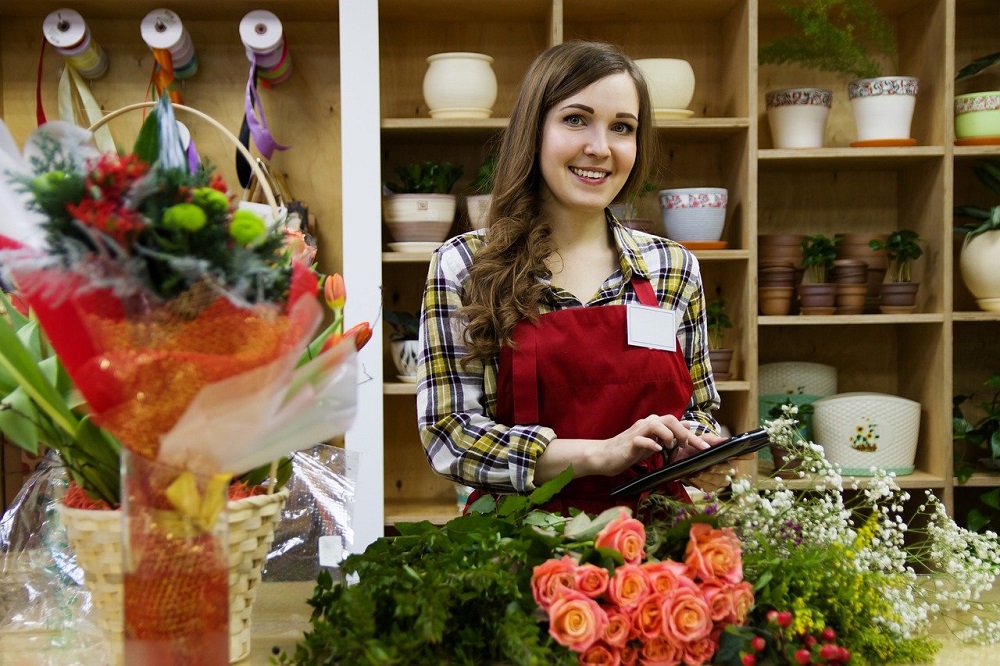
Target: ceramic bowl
{"type": "Point", "coordinates": [694, 213]}
{"type": "Point", "coordinates": [419, 217]}
{"type": "Point", "coordinates": [862, 430]}
{"type": "Point", "coordinates": [670, 82]}
{"type": "Point", "coordinates": [977, 114]}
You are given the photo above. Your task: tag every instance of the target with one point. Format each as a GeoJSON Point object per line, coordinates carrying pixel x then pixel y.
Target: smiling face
{"type": "Point", "coordinates": [589, 146]}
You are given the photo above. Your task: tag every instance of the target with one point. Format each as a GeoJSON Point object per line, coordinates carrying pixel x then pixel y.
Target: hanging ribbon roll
{"type": "Point", "coordinates": [263, 38]}
{"type": "Point", "coordinates": [173, 51]}
{"type": "Point", "coordinates": [70, 36]}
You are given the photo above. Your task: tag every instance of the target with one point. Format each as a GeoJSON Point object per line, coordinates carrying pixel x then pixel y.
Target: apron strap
{"type": "Point", "coordinates": [644, 291]}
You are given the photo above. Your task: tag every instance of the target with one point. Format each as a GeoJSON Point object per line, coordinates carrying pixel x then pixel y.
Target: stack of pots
{"type": "Point", "coordinates": [851, 278]}
{"type": "Point", "coordinates": [855, 246]}
{"type": "Point", "coordinates": [779, 270]}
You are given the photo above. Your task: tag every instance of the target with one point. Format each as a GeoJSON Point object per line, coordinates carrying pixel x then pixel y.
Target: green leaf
{"type": "Point", "coordinates": [590, 528]}
{"type": "Point", "coordinates": [18, 416]}
{"type": "Point", "coordinates": [17, 320]}
{"type": "Point", "coordinates": [995, 445]}
{"type": "Point", "coordinates": [511, 505]}
{"type": "Point", "coordinates": [413, 529]}
{"type": "Point", "coordinates": [976, 520]}
{"type": "Point", "coordinates": [964, 473]}
{"type": "Point", "coordinates": [548, 490]}
{"type": "Point", "coordinates": [485, 504]}
{"type": "Point", "coordinates": [147, 143]}
{"type": "Point", "coordinates": [991, 498]}
{"type": "Point", "coordinates": [977, 66]}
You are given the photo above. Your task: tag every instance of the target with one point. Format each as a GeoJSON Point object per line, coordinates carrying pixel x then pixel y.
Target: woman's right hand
{"type": "Point", "coordinates": [648, 436]}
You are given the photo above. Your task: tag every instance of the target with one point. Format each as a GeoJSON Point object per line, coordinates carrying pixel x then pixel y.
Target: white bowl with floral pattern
{"type": "Point", "coordinates": [694, 213]}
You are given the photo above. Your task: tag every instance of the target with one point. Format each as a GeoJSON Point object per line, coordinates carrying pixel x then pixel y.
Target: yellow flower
{"type": "Point", "coordinates": [247, 228]}
{"type": "Point", "coordinates": [184, 216]}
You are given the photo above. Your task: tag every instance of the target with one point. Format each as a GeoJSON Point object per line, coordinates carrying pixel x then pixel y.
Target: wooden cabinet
{"type": "Point", "coordinates": [926, 356]}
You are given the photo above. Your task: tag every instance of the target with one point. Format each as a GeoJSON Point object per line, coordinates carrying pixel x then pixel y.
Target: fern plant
{"type": "Point", "coordinates": [843, 36]}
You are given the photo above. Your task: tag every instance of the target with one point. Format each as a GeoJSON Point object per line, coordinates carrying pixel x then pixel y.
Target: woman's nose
{"type": "Point", "coordinates": [597, 144]}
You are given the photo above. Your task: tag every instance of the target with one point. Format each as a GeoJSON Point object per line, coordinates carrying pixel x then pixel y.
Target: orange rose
{"type": "Point", "coordinates": [661, 652]}
{"type": "Point", "coordinates": [591, 579]}
{"type": "Point", "coordinates": [600, 655]}
{"type": "Point", "coordinates": [701, 651]}
{"type": "Point", "coordinates": [686, 616]}
{"type": "Point", "coordinates": [629, 655]}
{"type": "Point", "coordinates": [628, 587]}
{"type": "Point", "coordinates": [665, 576]}
{"type": "Point", "coordinates": [626, 535]}
{"type": "Point", "coordinates": [575, 620]}
{"type": "Point", "coordinates": [742, 602]}
{"type": "Point", "coordinates": [551, 576]}
{"type": "Point", "coordinates": [714, 554]}
{"type": "Point", "coordinates": [647, 620]}
{"type": "Point", "coordinates": [619, 628]}
{"type": "Point", "coordinates": [719, 598]}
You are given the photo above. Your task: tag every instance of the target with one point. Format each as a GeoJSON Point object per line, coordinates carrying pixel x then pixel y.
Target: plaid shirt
{"type": "Point", "coordinates": [456, 408]}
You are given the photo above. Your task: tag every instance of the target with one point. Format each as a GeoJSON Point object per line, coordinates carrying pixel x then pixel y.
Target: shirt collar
{"type": "Point", "coordinates": [629, 253]}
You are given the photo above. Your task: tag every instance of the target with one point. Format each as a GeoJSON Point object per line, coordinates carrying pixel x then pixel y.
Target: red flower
{"type": "Point", "coordinates": [108, 217]}
{"type": "Point", "coordinates": [114, 175]}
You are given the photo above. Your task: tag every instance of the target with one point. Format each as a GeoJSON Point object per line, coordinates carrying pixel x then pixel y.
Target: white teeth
{"type": "Point", "coordinates": [584, 173]}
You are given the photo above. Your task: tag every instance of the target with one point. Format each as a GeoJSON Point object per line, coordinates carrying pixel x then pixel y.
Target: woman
{"type": "Point", "coordinates": [526, 365]}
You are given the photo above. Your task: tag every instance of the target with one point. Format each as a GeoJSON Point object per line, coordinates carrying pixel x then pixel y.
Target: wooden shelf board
{"type": "Point", "coordinates": [733, 386]}
{"type": "Point", "coordinates": [462, 10]}
{"type": "Point", "coordinates": [842, 320]}
{"type": "Point", "coordinates": [918, 479]}
{"type": "Point", "coordinates": [722, 255]}
{"type": "Point", "coordinates": [405, 257]}
{"type": "Point", "coordinates": [976, 152]}
{"type": "Point", "coordinates": [436, 511]}
{"type": "Point", "coordinates": [825, 159]}
{"type": "Point", "coordinates": [980, 480]}
{"type": "Point", "coordinates": [976, 316]}
{"type": "Point", "coordinates": [399, 388]}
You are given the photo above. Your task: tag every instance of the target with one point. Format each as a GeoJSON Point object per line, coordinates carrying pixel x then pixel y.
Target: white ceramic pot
{"type": "Point", "coordinates": [477, 206]}
{"type": "Point", "coordinates": [670, 82]}
{"type": "Point", "coordinates": [797, 116]}
{"type": "Point", "coordinates": [694, 213]}
{"type": "Point", "coordinates": [460, 85]}
{"type": "Point", "coordinates": [419, 217]}
{"type": "Point", "coordinates": [977, 115]}
{"type": "Point", "coordinates": [883, 106]}
{"type": "Point", "coordinates": [979, 263]}
{"type": "Point", "coordinates": [405, 354]}
{"type": "Point", "coordinates": [861, 430]}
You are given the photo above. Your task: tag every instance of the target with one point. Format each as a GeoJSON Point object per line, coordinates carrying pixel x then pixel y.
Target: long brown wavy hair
{"type": "Point", "coordinates": [502, 289]}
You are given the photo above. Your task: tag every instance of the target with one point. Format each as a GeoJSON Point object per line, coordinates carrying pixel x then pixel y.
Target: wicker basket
{"type": "Point", "coordinates": [96, 538]}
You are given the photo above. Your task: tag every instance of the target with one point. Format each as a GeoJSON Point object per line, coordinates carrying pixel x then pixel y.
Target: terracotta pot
{"type": "Point", "coordinates": [721, 359]}
{"type": "Point", "coordinates": [850, 271]}
{"type": "Point", "coordinates": [784, 468]}
{"type": "Point", "coordinates": [775, 301]}
{"type": "Point", "coordinates": [899, 297]}
{"type": "Point", "coordinates": [817, 299]}
{"type": "Point", "coordinates": [851, 298]}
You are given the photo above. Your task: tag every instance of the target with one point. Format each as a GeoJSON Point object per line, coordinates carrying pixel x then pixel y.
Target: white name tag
{"type": "Point", "coordinates": [655, 328]}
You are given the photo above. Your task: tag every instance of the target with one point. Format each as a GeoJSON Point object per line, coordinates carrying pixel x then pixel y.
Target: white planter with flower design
{"type": "Point", "coordinates": [797, 116]}
{"type": "Point", "coordinates": [860, 430]}
{"type": "Point", "coordinates": [883, 107]}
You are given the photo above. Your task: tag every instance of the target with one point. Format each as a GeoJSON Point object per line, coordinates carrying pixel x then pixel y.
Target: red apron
{"type": "Point", "coordinates": [575, 372]}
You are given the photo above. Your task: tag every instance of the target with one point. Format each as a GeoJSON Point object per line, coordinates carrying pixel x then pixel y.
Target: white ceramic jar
{"type": "Point", "coordinates": [460, 85]}
{"type": "Point", "coordinates": [671, 85]}
{"type": "Point", "coordinates": [883, 107]}
{"type": "Point", "coordinates": [797, 116]}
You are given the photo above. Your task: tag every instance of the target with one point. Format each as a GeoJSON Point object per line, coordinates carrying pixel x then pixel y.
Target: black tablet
{"type": "Point", "coordinates": [738, 445]}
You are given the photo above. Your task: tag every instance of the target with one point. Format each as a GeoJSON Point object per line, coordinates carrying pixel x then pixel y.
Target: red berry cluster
{"type": "Point", "coordinates": [797, 649]}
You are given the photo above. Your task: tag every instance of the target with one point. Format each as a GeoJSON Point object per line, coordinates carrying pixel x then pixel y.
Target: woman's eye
{"type": "Point", "coordinates": [623, 129]}
{"type": "Point", "coordinates": [575, 120]}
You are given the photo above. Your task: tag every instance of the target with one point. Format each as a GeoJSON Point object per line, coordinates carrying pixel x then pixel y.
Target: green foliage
{"type": "Point", "coordinates": [718, 321]}
{"type": "Point", "coordinates": [426, 178]}
{"type": "Point", "coordinates": [983, 434]}
{"type": "Point", "coordinates": [902, 248]}
{"type": "Point", "coordinates": [483, 182]}
{"type": "Point", "coordinates": [458, 594]}
{"type": "Point", "coordinates": [818, 254]}
{"type": "Point", "coordinates": [834, 35]}
{"type": "Point", "coordinates": [405, 325]}
{"type": "Point", "coordinates": [978, 66]}
{"type": "Point", "coordinates": [980, 219]}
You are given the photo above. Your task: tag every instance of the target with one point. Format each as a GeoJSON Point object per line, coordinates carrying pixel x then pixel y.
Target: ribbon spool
{"type": "Point", "coordinates": [162, 29]}
{"type": "Point", "coordinates": [69, 35]}
{"type": "Point", "coordinates": [263, 39]}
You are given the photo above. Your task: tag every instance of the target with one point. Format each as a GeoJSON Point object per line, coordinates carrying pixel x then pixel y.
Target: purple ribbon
{"type": "Point", "coordinates": [259, 130]}
{"type": "Point", "coordinates": [193, 158]}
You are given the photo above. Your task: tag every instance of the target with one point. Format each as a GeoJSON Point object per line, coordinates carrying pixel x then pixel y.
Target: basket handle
{"type": "Point", "coordinates": [254, 167]}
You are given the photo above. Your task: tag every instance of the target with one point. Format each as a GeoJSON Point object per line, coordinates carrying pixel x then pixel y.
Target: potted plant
{"type": "Point", "coordinates": [899, 292]}
{"type": "Point", "coordinates": [477, 205]}
{"type": "Point", "coordinates": [627, 211]}
{"type": "Point", "coordinates": [404, 342]}
{"type": "Point", "coordinates": [418, 206]}
{"type": "Point", "coordinates": [982, 434]}
{"type": "Point", "coordinates": [977, 113]}
{"type": "Point", "coordinates": [816, 295]}
{"type": "Point", "coordinates": [979, 260]}
{"type": "Point", "coordinates": [718, 322]}
{"type": "Point", "coordinates": [850, 37]}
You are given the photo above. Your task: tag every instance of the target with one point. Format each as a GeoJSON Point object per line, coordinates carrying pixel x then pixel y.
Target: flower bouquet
{"type": "Point", "coordinates": [189, 335]}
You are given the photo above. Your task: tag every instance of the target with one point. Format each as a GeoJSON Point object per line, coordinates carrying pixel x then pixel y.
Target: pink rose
{"type": "Point", "coordinates": [600, 654]}
{"type": "Point", "coordinates": [647, 619]}
{"type": "Point", "coordinates": [661, 652]}
{"type": "Point", "coordinates": [591, 579]}
{"type": "Point", "coordinates": [629, 655]}
{"type": "Point", "coordinates": [626, 535]}
{"type": "Point", "coordinates": [619, 628]}
{"type": "Point", "coordinates": [295, 241]}
{"type": "Point", "coordinates": [719, 598]}
{"type": "Point", "coordinates": [686, 616]}
{"type": "Point", "coordinates": [700, 651]}
{"type": "Point", "coordinates": [665, 576]}
{"type": "Point", "coordinates": [628, 587]}
{"type": "Point", "coordinates": [550, 577]}
{"type": "Point", "coordinates": [714, 554]}
{"type": "Point", "coordinates": [575, 620]}
{"type": "Point", "coordinates": [742, 602]}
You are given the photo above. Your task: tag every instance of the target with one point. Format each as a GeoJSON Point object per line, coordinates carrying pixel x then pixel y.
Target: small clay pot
{"type": "Point", "coordinates": [817, 299]}
{"type": "Point", "coordinates": [775, 300]}
{"type": "Point", "coordinates": [851, 298]}
{"type": "Point", "coordinates": [721, 360]}
{"type": "Point", "coordinates": [898, 297]}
